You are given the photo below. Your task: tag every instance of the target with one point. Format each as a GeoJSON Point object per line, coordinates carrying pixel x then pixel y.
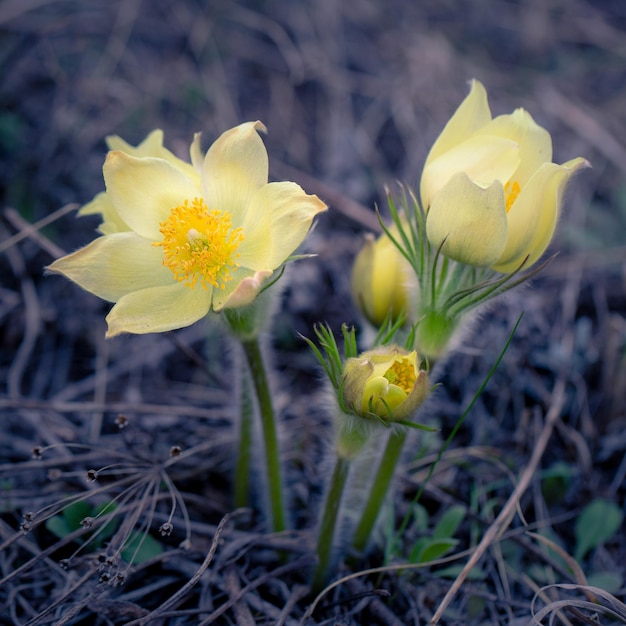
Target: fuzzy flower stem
{"type": "Point", "coordinates": [254, 357]}
{"type": "Point", "coordinates": [329, 521]}
{"type": "Point", "coordinates": [378, 491]}
{"type": "Point", "coordinates": [242, 468]}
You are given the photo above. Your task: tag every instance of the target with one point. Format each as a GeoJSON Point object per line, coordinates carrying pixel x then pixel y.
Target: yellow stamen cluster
{"type": "Point", "coordinates": [402, 374]}
{"type": "Point", "coordinates": [199, 244]}
{"type": "Point", "coordinates": [511, 191]}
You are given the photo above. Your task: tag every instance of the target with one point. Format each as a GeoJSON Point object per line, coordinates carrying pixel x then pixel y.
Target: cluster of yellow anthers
{"type": "Point", "coordinates": [181, 239]}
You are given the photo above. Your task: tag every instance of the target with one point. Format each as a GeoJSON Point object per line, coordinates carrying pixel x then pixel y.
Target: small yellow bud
{"type": "Point", "coordinates": [379, 280]}
{"type": "Point", "coordinates": [384, 383]}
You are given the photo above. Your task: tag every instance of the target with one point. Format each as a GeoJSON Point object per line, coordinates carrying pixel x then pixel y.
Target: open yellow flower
{"type": "Point", "coordinates": [182, 239]}
{"type": "Point", "coordinates": [491, 192]}
{"type": "Point", "coordinates": [385, 382]}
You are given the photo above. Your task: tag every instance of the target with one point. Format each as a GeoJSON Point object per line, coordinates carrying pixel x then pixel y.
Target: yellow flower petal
{"type": "Point", "coordinates": [483, 158]}
{"type": "Point", "coordinates": [290, 211]}
{"type": "Point", "coordinates": [384, 357]}
{"type": "Point", "coordinates": [469, 221]}
{"type": "Point", "coordinates": [152, 146]}
{"type": "Point", "coordinates": [535, 143]}
{"type": "Point", "coordinates": [195, 152]}
{"type": "Point", "coordinates": [255, 251]}
{"type": "Point", "coordinates": [113, 266]}
{"type": "Point", "coordinates": [356, 373]}
{"type": "Point", "coordinates": [235, 166]}
{"type": "Point", "coordinates": [100, 203]}
{"type": "Point", "coordinates": [145, 190]}
{"type": "Point", "coordinates": [158, 309]}
{"type": "Point", "coordinates": [293, 211]}
{"type": "Point", "coordinates": [382, 396]}
{"type": "Point", "coordinates": [232, 192]}
{"type": "Point", "coordinates": [533, 217]}
{"type": "Point", "coordinates": [472, 114]}
{"type": "Point", "coordinates": [112, 222]}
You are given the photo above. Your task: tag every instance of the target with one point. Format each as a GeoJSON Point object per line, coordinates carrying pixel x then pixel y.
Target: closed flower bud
{"type": "Point", "coordinates": [379, 281]}
{"type": "Point", "coordinates": [384, 383]}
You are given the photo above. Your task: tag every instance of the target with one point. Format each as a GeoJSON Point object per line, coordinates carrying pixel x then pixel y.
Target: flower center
{"type": "Point", "coordinates": [199, 244]}
{"type": "Point", "coordinates": [511, 191]}
{"type": "Point", "coordinates": [402, 374]}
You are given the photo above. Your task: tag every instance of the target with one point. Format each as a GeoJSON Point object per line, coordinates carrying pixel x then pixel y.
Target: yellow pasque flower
{"type": "Point", "coordinates": [181, 239]}
{"type": "Point", "coordinates": [491, 192]}
{"type": "Point", "coordinates": [379, 280]}
{"type": "Point", "coordinates": [385, 382]}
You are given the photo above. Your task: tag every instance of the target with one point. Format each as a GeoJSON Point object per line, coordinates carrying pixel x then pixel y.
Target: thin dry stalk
{"type": "Point", "coordinates": [501, 523]}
